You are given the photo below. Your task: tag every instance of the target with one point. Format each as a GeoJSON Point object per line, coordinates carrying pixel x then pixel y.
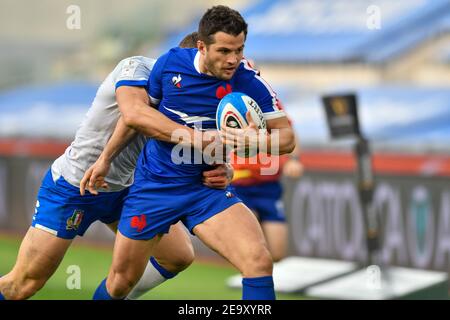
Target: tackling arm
{"type": "Point", "coordinates": [137, 115]}
{"type": "Point", "coordinates": [134, 106]}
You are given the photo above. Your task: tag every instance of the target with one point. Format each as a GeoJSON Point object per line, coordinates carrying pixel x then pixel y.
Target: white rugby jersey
{"type": "Point", "coordinates": [98, 126]}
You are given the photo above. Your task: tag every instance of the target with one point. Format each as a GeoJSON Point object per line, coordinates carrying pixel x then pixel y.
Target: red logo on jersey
{"type": "Point", "coordinates": [222, 92]}
{"type": "Point", "coordinates": [138, 222]}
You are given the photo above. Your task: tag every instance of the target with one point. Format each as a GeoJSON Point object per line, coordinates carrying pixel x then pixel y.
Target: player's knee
{"type": "Point", "coordinates": [264, 263]}
{"type": "Point", "coordinates": [278, 256]}
{"type": "Point", "coordinates": [30, 288]}
{"type": "Point", "coordinates": [178, 263]}
{"type": "Point", "coordinates": [181, 261]}
{"type": "Point", "coordinates": [177, 260]}
{"type": "Point", "coordinates": [121, 284]}
{"type": "Point", "coordinates": [259, 262]}
{"type": "Point", "coordinates": [21, 289]}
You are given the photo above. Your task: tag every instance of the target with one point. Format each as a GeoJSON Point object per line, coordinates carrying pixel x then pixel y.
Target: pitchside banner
{"type": "Point", "coordinates": [323, 210]}
{"type": "Point", "coordinates": [326, 220]}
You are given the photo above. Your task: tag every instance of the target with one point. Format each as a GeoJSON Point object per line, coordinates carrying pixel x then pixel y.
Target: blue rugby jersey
{"type": "Point", "coordinates": [189, 97]}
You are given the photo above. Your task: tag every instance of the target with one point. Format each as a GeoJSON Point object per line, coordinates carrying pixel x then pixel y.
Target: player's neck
{"type": "Point", "coordinates": [202, 66]}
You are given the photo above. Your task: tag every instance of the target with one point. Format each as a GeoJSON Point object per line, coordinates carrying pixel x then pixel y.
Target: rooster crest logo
{"type": "Point", "coordinates": [176, 80]}
{"type": "Point", "coordinates": [138, 222]}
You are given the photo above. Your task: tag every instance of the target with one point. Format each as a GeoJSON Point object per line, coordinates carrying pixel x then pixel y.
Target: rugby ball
{"type": "Point", "coordinates": [232, 109]}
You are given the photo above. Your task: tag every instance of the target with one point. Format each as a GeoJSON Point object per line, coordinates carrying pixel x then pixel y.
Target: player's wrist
{"type": "Point", "coordinates": [105, 159]}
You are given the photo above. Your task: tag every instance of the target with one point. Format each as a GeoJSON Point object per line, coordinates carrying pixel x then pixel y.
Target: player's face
{"type": "Point", "coordinates": [222, 58]}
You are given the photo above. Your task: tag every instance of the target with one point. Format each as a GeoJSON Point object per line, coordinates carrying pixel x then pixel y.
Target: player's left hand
{"type": "Point", "coordinates": [293, 169]}
{"type": "Point", "coordinates": [219, 177]}
{"type": "Point", "coordinates": [247, 138]}
{"type": "Point", "coordinates": [94, 177]}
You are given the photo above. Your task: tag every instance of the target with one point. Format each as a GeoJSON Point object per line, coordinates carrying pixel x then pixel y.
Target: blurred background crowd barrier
{"type": "Point", "coordinates": [395, 55]}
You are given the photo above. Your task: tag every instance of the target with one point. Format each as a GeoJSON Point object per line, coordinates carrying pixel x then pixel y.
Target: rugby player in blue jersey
{"type": "Point", "coordinates": [186, 85]}
{"type": "Point", "coordinates": [62, 213]}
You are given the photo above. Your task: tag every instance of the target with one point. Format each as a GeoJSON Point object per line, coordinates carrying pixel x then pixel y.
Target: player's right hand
{"type": "Point", "coordinates": [219, 177]}
{"type": "Point", "coordinates": [243, 139]}
{"type": "Point", "coordinates": [94, 177]}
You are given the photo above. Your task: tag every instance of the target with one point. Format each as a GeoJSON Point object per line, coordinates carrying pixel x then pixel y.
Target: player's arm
{"type": "Point", "coordinates": [134, 105]}
{"type": "Point", "coordinates": [137, 115]}
{"type": "Point", "coordinates": [295, 154]}
{"type": "Point", "coordinates": [219, 177]}
{"type": "Point", "coordinates": [280, 137]}
{"type": "Point", "coordinates": [124, 132]}
{"type": "Point", "coordinates": [94, 177]}
{"type": "Point", "coordinates": [293, 168]}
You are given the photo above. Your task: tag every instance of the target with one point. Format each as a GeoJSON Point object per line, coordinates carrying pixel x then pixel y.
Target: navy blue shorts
{"type": "Point", "coordinates": [265, 199]}
{"type": "Point", "coordinates": [153, 205]}
{"type": "Point", "coordinates": [62, 211]}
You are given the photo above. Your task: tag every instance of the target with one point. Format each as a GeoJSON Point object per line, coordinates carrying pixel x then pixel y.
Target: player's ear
{"type": "Point", "coordinates": [201, 46]}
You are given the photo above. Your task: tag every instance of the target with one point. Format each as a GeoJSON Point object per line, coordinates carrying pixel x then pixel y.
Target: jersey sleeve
{"type": "Point", "coordinates": [154, 85]}
{"type": "Point", "coordinates": [263, 94]}
{"type": "Point", "coordinates": [281, 107]}
{"type": "Point", "coordinates": [133, 71]}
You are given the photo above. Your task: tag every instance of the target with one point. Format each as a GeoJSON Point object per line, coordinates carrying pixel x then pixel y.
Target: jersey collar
{"type": "Point", "coordinates": [197, 62]}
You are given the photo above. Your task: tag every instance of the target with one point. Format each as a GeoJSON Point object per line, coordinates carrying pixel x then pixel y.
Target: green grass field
{"type": "Point", "coordinates": [203, 281]}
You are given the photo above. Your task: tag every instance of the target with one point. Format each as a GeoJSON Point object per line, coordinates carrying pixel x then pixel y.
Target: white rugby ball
{"type": "Point", "coordinates": [233, 108]}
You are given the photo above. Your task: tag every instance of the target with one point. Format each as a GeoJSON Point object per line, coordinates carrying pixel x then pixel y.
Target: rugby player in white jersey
{"type": "Point", "coordinates": [62, 213]}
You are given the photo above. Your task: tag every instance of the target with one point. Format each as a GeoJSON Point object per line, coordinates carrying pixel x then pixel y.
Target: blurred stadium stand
{"type": "Point", "coordinates": [395, 118]}
{"type": "Point", "coordinates": [408, 119]}
{"type": "Point", "coordinates": [336, 31]}
{"type": "Point", "coordinates": [45, 111]}
{"type": "Point", "coordinates": [37, 47]}
{"type": "Point", "coordinates": [401, 72]}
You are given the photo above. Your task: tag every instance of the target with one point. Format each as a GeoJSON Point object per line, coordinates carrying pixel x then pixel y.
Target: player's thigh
{"type": "Point", "coordinates": [40, 254]}
{"type": "Point", "coordinates": [131, 256]}
{"type": "Point", "coordinates": [235, 233]}
{"type": "Point", "coordinates": [175, 248]}
{"type": "Point", "coordinates": [276, 234]}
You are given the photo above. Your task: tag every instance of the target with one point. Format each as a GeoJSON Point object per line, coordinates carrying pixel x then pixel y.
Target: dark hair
{"type": "Point", "coordinates": [220, 18]}
{"type": "Point", "coordinates": [189, 41]}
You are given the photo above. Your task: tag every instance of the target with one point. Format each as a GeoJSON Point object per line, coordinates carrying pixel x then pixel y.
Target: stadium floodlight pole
{"type": "Point", "coordinates": [366, 185]}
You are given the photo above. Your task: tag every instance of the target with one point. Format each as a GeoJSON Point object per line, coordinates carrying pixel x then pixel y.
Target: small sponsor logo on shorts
{"type": "Point", "coordinates": [75, 220]}
{"type": "Point", "coordinates": [229, 194]}
{"type": "Point", "coordinates": [138, 222]}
